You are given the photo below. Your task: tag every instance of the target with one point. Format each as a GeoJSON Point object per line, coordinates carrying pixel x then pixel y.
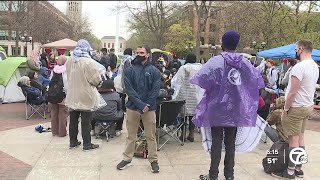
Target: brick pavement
{"type": "Point", "coordinates": [13, 116]}
{"type": "Point", "coordinates": [12, 168]}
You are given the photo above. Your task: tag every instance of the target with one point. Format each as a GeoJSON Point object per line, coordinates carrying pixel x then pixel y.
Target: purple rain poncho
{"type": "Point", "coordinates": [231, 96]}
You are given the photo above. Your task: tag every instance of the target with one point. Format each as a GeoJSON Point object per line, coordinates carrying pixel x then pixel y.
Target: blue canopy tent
{"type": "Point", "coordinates": [287, 51]}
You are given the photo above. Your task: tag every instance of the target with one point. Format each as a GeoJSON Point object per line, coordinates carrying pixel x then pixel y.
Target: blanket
{"type": "Point", "coordinates": [8, 67]}
{"type": "Point", "coordinates": [247, 138]}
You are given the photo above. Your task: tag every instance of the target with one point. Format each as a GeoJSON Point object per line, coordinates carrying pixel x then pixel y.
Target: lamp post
{"type": "Point", "coordinates": [26, 39]}
{"type": "Point", "coordinates": [257, 46]}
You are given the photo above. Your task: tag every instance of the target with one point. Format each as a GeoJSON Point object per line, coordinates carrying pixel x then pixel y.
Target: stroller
{"type": "Point", "coordinates": [274, 119]}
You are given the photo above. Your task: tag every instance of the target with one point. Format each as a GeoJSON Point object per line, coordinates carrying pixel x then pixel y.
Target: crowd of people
{"type": "Point", "coordinates": [224, 93]}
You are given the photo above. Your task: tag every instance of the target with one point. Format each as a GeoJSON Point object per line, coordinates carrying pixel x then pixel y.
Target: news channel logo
{"type": "Point", "coordinates": [301, 156]}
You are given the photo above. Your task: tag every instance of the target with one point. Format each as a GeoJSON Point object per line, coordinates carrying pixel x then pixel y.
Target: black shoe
{"type": "Point", "coordinates": [206, 177]}
{"type": "Point", "coordinates": [75, 145]}
{"type": "Point", "coordinates": [91, 147]}
{"type": "Point", "coordinates": [123, 164]}
{"type": "Point", "coordinates": [284, 175]}
{"type": "Point", "coordinates": [299, 173]}
{"type": "Point", "coordinates": [155, 167]}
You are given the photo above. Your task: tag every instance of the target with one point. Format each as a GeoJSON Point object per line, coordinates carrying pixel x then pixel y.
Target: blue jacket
{"type": "Point", "coordinates": [142, 84]}
{"type": "Point", "coordinates": [43, 79]}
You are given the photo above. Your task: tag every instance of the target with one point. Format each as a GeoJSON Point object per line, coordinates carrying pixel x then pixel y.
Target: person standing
{"type": "Point", "coordinates": [299, 104]}
{"type": "Point", "coordinates": [113, 60]}
{"type": "Point", "coordinates": [104, 60]}
{"type": "Point", "coordinates": [142, 85]}
{"type": "Point", "coordinates": [184, 90]}
{"type": "Point", "coordinates": [285, 80]}
{"type": "Point", "coordinates": [272, 74]}
{"type": "Point", "coordinates": [125, 64]}
{"type": "Point", "coordinates": [83, 79]}
{"type": "Point", "coordinates": [56, 95]}
{"type": "Point", "coordinates": [231, 98]}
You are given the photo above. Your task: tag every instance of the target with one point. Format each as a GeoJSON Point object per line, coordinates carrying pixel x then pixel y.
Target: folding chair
{"type": "Point", "coordinates": [105, 127]}
{"type": "Point", "coordinates": [35, 108]}
{"type": "Point", "coordinates": [167, 113]}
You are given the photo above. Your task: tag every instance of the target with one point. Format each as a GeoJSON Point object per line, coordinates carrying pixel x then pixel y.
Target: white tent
{"type": "Point", "coordinates": [63, 43]}
{"type": "Point", "coordinates": [9, 78]}
{"type": "Point", "coordinates": [12, 93]}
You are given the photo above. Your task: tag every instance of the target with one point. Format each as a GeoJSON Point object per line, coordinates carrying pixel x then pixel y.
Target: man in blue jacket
{"type": "Point", "coordinates": [142, 85]}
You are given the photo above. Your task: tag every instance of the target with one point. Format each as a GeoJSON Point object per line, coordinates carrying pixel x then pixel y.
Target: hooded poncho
{"type": "Point", "coordinates": [231, 96]}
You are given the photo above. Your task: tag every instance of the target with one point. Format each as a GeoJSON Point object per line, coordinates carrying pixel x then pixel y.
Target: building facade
{"type": "Point", "coordinates": [74, 9]}
{"type": "Point", "coordinates": [39, 20]}
{"type": "Point", "coordinates": [213, 29]}
{"type": "Point", "coordinates": [110, 41]}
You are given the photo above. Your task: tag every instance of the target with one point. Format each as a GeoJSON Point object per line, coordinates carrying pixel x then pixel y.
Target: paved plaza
{"type": "Point", "coordinates": [26, 154]}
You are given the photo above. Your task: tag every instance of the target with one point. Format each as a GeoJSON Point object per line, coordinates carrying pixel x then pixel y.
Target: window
{"type": "Point", "coordinates": [108, 45]}
{"type": "Point", "coordinates": [3, 35]}
{"type": "Point", "coordinates": [120, 45]}
{"type": "Point", "coordinates": [202, 40]}
{"type": "Point", "coordinates": [19, 6]}
{"type": "Point", "coordinates": [104, 44]}
{"type": "Point", "coordinates": [13, 48]}
{"type": "Point", "coordinates": [112, 45]}
{"type": "Point", "coordinates": [213, 14]}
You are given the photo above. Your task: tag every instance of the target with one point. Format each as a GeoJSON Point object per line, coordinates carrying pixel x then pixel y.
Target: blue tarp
{"type": "Point", "coordinates": [287, 51]}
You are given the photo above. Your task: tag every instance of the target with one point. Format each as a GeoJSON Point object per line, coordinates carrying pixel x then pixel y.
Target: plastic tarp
{"type": "Point", "coordinates": [287, 51]}
{"type": "Point", "coordinates": [63, 43]}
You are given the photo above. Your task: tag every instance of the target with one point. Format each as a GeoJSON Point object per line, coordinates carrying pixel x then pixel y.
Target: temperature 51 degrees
{"type": "Point", "coordinates": [272, 160]}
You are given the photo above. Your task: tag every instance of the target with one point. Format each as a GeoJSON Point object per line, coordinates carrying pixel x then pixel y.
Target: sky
{"type": "Point", "coordinates": [102, 18]}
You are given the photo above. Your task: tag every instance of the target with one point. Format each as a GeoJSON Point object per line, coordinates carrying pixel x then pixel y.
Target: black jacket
{"type": "Point", "coordinates": [113, 110]}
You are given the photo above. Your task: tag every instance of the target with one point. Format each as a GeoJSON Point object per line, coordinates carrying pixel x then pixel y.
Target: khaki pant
{"type": "Point", "coordinates": [59, 115]}
{"type": "Point", "coordinates": [149, 123]}
{"type": "Point", "coordinates": [295, 121]}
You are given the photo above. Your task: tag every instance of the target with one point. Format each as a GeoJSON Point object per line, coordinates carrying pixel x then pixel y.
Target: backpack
{"type": "Point", "coordinates": [141, 148]}
{"type": "Point", "coordinates": [278, 79]}
{"type": "Point", "coordinates": [55, 92]}
{"type": "Point", "coordinates": [277, 158]}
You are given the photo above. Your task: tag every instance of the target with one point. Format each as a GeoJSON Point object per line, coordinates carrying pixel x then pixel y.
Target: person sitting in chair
{"type": "Point", "coordinates": [34, 77]}
{"type": "Point", "coordinates": [33, 95]}
{"type": "Point", "coordinates": [113, 111]}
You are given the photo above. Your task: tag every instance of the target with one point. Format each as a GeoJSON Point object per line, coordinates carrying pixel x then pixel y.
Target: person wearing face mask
{"type": "Point", "coordinates": [142, 85]}
{"type": "Point", "coordinates": [298, 104]}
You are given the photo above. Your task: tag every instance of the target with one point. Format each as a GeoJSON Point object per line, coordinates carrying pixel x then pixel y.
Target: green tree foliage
{"type": "Point", "coordinates": [151, 21]}
{"type": "Point", "coordinates": [179, 36]}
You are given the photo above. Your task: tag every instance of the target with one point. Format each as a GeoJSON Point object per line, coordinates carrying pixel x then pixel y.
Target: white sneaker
{"type": "Point", "coordinates": [118, 133]}
{"type": "Point", "coordinates": [92, 133]}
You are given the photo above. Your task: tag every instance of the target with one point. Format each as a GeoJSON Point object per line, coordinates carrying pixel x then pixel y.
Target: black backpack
{"type": "Point", "coordinates": [277, 158]}
{"type": "Point", "coordinates": [278, 79]}
{"type": "Point", "coordinates": [55, 92]}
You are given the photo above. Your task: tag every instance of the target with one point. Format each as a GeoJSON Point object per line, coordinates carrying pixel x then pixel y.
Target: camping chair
{"type": "Point", "coordinates": [35, 108]}
{"type": "Point", "coordinates": [167, 113]}
{"type": "Point", "coordinates": [105, 127]}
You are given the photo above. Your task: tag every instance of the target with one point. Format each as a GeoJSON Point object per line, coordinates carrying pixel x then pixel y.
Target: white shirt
{"type": "Point", "coordinates": [272, 76]}
{"type": "Point", "coordinates": [307, 72]}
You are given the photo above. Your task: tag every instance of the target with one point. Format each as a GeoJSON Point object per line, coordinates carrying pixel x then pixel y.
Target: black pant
{"type": "Point", "coordinates": [119, 124]}
{"type": "Point", "coordinates": [86, 118]}
{"type": "Point", "coordinates": [229, 141]}
{"type": "Point", "coordinates": [123, 101]}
